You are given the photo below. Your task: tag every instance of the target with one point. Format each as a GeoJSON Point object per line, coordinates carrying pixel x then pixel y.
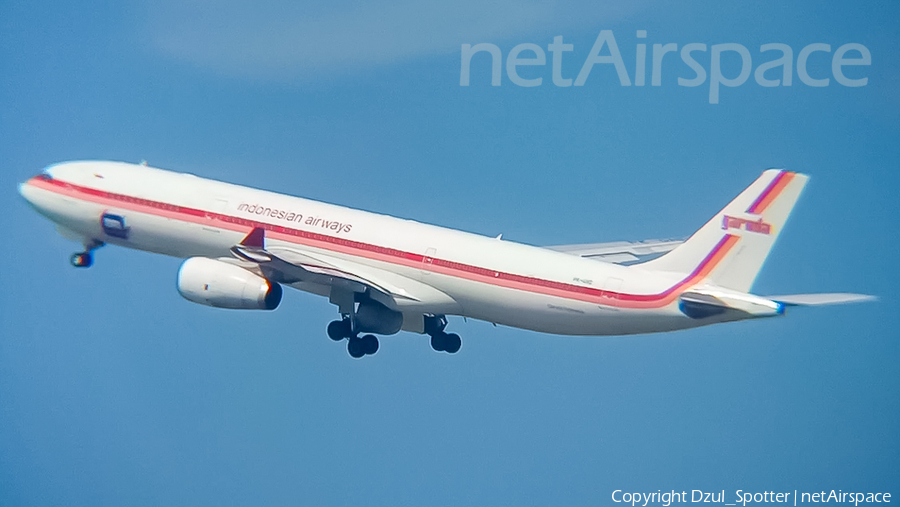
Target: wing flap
{"type": "Point", "coordinates": [338, 268]}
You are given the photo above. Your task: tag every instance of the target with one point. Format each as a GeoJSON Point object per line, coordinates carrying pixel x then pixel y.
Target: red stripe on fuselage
{"type": "Point", "coordinates": [391, 255]}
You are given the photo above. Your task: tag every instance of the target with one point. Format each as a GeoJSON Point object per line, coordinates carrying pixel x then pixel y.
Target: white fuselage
{"type": "Point", "coordinates": [483, 278]}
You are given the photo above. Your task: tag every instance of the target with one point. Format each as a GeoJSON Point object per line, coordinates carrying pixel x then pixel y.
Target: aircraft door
{"type": "Point", "coordinates": [428, 260]}
{"type": "Point", "coordinates": [219, 206]}
{"type": "Point", "coordinates": [611, 288]}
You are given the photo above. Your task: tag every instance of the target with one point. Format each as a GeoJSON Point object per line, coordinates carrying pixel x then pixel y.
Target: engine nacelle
{"type": "Point", "coordinates": [374, 317]}
{"type": "Point", "coordinates": [223, 285]}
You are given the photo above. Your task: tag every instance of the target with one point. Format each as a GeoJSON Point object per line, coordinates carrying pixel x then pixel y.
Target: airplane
{"type": "Point", "coordinates": [387, 274]}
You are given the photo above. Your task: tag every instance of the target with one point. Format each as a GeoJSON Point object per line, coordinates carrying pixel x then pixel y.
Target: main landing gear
{"type": "Point", "coordinates": [446, 342]}
{"type": "Point", "coordinates": [357, 346]}
{"type": "Point", "coordinates": [441, 341]}
{"type": "Point", "coordinates": [85, 259]}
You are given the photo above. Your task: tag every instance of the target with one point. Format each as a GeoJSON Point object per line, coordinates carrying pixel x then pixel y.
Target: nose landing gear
{"type": "Point", "coordinates": [82, 260]}
{"type": "Point", "coordinates": [85, 259]}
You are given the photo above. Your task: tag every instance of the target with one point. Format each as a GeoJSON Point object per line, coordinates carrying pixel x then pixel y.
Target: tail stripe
{"type": "Point", "coordinates": [713, 259]}
{"type": "Point", "coordinates": [770, 193]}
{"type": "Point", "coordinates": [709, 263]}
{"type": "Point", "coordinates": [756, 216]}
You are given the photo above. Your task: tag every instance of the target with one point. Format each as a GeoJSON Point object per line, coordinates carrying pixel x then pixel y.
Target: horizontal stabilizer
{"type": "Point", "coordinates": [822, 299]}
{"type": "Point", "coordinates": [699, 303]}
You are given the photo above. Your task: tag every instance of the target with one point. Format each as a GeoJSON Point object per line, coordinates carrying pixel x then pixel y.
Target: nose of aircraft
{"type": "Point", "coordinates": [23, 190]}
{"type": "Point", "coordinates": [26, 190]}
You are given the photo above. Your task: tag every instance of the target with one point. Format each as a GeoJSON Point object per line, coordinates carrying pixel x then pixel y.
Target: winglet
{"type": "Point", "coordinates": [256, 238]}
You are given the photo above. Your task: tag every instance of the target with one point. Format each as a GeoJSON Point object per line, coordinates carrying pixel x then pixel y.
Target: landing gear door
{"type": "Point", "coordinates": [113, 225]}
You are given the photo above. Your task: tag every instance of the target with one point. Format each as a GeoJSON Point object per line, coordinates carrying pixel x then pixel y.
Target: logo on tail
{"type": "Point", "coordinates": [761, 211]}
{"type": "Point", "coordinates": [748, 225]}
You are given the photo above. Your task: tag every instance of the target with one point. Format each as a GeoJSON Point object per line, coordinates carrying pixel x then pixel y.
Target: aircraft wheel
{"type": "Point", "coordinates": [443, 342]}
{"type": "Point", "coordinates": [369, 344]}
{"type": "Point", "coordinates": [452, 343]}
{"type": "Point", "coordinates": [438, 341]}
{"type": "Point", "coordinates": [81, 260]}
{"type": "Point", "coordinates": [338, 329]}
{"type": "Point", "coordinates": [356, 348]}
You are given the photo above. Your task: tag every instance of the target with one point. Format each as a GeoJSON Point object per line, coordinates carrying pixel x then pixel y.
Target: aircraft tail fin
{"type": "Point", "coordinates": [731, 248]}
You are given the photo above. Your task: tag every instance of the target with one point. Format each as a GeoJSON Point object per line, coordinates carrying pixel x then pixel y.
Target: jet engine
{"type": "Point", "coordinates": [223, 285]}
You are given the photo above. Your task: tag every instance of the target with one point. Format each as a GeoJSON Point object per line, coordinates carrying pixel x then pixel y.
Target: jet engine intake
{"type": "Point", "coordinates": [222, 285]}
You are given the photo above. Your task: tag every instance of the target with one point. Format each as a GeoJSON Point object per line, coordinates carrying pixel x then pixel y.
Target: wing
{"type": "Point", "coordinates": [620, 252]}
{"type": "Point", "coordinates": [322, 274]}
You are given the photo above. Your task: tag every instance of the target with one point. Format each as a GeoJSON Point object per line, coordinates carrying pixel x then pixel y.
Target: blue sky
{"type": "Point", "coordinates": [115, 391]}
